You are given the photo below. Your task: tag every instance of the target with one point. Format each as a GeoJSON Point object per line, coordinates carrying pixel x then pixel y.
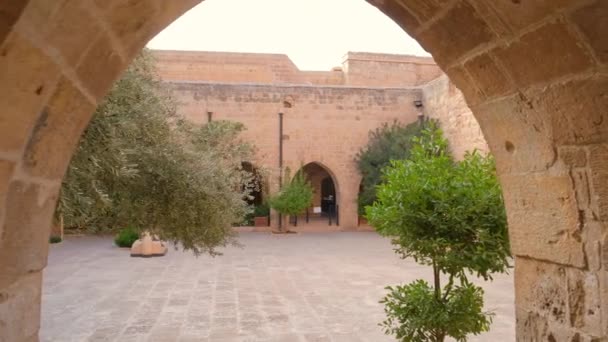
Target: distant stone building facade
{"type": "Point", "coordinates": [326, 116]}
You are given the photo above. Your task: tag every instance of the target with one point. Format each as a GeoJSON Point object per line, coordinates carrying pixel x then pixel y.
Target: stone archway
{"type": "Point", "coordinates": [325, 185]}
{"type": "Point", "coordinates": [535, 74]}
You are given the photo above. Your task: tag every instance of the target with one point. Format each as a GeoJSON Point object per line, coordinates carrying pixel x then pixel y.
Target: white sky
{"type": "Point", "coordinates": [315, 34]}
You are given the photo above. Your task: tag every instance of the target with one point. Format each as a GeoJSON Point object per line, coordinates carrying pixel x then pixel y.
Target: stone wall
{"type": "Point", "coordinates": [358, 69]}
{"type": "Point", "coordinates": [445, 103]}
{"type": "Point", "coordinates": [227, 67]}
{"type": "Point", "coordinates": [387, 70]}
{"type": "Point", "coordinates": [322, 124]}
{"type": "Point", "coordinates": [534, 72]}
{"type": "Point", "coordinates": [328, 122]}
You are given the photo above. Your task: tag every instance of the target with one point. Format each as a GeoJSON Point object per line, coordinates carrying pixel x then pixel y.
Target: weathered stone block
{"type": "Point", "coordinates": [598, 164]}
{"type": "Point", "coordinates": [424, 9]}
{"type": "Point", "coordinates": [490, 16]}
{"type": "Point", "coordinates": [9, 12]}
{"type": "Point", "coordinates": [576, 110]}
{"type": "Point", "coordinates": [592, 20]}
{"type": "Point", "coordinates": [488, 77]}
{"type": "Point", "coordinates": [580, 179]}
{"type": "Point", "coordinates": [26, 79]}
{"type": "Point", "coordinates": [519, 14]}
{"type": "Point", "coordinates": [584, 302]}
{"type": "Point", "coordinates": [526, 58]}
{"type": "Point", "coordinates": [531, 326]}
{"type": "Point", "coordinates": [100, 66]}
{"type": "Point", "coordinates": [24, 243]}
{"type": "Point", "coordinates": [518, 135]}
{"type": "Point", "coordinates": [453, 35]}
{"type": "Point", "coordinates": [20, 308]}
{"type": "Point", "coordinates": [604, 242]}
{"type": "Point", "coordinates": [541, 287]}
{"type": "Point", "coordinates": [129, 20]}
{"type": "Point", "coordinates": [447, 105]}
{"type": "Point", "coordinates": [70, 37]}
{"type": "Point", "coordinates": [6, 171]}
{"type": "Point", "coordinates": [57, 132]}
{"type": "Point", "coordinates": [466, 85]}
{"type": "Point", "coordinates": [592, 237]}
{"type": "Point", "coordinates": [573, 156]}
{"type": "Point", "coordinates": [105, 4]}
{"type": "Point", "coordinates": [552, 299]}
{"type": "Point", "coordinates": [543, 218]}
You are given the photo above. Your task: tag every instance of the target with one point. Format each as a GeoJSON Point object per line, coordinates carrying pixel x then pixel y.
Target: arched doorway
{"type": "Point", "coordinates": [533, 72]}
{"type": "Point", "coordinates": [324, 209]}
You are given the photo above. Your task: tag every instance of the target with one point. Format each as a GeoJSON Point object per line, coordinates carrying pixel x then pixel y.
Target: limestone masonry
{"type": "Point", "coordinates": [534, 73]}
{"type": "Point", "coordinates": [327, 114]}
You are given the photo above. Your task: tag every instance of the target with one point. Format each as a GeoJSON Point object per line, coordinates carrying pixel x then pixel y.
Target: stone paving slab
{"type": "Point", "coordinates": [292, 288]}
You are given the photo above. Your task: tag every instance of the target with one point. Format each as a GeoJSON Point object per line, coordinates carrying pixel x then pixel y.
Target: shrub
{"type": "Point", "coordinates": [294, 197]}
{"type": "Point", "coordinates": [415, 315]}
{"type": "Point", "coordinates": [261, 210]}
{"type": "Point", "coordinates": [55, 239]}
{"type": "Point", "coordinates": [126, 237]}
{"type": "Point", "coordinates": [247, 221]}
{"type": "Point", "coordinates": [386, 143]}
{"type": "Point", "coordinates": [450, 216]}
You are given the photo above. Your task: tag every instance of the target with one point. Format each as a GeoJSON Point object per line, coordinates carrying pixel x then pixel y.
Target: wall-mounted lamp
{"type": "Point", "coordinates": [418, 104]}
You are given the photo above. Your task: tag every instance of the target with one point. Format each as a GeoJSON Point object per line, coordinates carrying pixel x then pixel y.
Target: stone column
{"type": "Point", "coordinates": [348, 208]}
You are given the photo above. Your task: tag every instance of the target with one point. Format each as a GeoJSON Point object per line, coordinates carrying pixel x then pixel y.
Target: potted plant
{"type": "Point", "coordinates": [261, 215]}
{"type": "Point", "coordinates": [448, 215]}
{"type": "Point", "coordinates": [294, 198]}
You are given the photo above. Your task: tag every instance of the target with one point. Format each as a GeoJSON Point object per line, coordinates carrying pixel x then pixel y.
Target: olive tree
{"type": "Point", "coordinates": [450, 216]}
{"type": "Point", "coordinates": [140, 165]}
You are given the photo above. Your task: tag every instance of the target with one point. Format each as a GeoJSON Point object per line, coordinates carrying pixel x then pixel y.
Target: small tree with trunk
{"type": "Point", "coordinates": [294, 197]}
{"type": "Point", "coordinates": [450, 216]}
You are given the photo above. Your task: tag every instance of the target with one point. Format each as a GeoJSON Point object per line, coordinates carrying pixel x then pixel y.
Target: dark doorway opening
{"type": "Point", "coordinates": [324, 208]}
{"type": "Point", "coordinates": [328, 195]}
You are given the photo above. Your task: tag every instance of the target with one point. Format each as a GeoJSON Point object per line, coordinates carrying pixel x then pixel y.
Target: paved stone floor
{"type": "Point", "coordinates": [294, 288]}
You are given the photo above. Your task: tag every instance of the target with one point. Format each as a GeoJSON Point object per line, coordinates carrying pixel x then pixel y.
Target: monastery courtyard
{"type": "Point", "coordinates": [293, 288]}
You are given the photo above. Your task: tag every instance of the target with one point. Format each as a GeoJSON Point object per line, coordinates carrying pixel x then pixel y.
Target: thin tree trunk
{"type": "Point", "coordinates": [436, 276]}
{"type": "Point", "coordinates": [439, 336]}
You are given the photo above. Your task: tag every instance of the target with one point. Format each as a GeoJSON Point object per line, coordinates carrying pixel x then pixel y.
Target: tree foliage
{"type": "Point", "coordinates": [448, 215]}
{"type": "Point", "coordinates": [139, 164]}
{"type": "Point", "coordinates": [386, 143]}
{"type": "Point", "coordinates": [414, 314]}
{"type": "Point", "coordinates": [294, 197]}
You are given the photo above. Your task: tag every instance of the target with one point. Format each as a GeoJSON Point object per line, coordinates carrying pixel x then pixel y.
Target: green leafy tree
{"type": "Point", "coordinates": [386, 143]}
{"type": "Point", "coordinates": [294, 197]}
{"type": "Point", "coordinates": [450, 216]}
{"type": "Point", "coordinates": [140, 165]}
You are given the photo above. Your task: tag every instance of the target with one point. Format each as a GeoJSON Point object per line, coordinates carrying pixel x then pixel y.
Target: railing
{"type": "Point", "coordinates": [333, 216]}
